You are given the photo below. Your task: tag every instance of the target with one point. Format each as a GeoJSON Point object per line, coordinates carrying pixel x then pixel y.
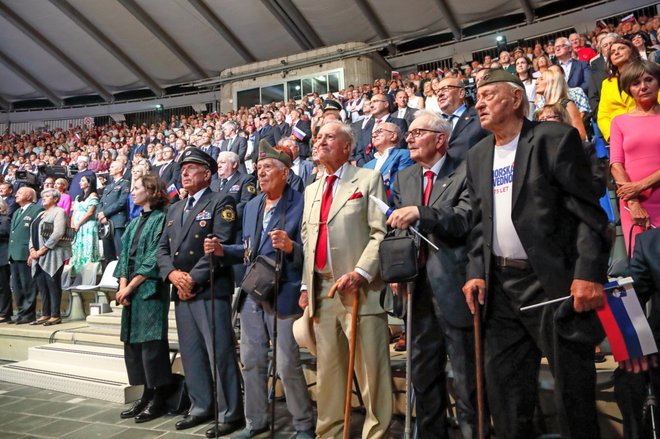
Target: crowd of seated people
{"type": "Point", "coordinates": [575, 80]}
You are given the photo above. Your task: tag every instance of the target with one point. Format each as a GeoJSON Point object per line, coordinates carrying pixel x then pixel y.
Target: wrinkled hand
{"type": "Point", "coordinates": [472, 287]}
{"type": "Point", "coordinates": [303, 300]}
{"type": "Point", "coordinates": [403, 218]}
{"type": "Point", "coordinates": [29, 261]}
{"type": "Point", "coordinates": [350, 283]}
{"type": "Point", "coordinates": [587, 295]}
{"type": "Point", "coordinates": [123, 296]}
{"type": "Point", "coordinates": [639, 215]}
{"type": "Point", "coordinates": [101, 217]}
{"type": "Point", "coordinates": [182, 281]}
{"type": "Point", "coordinates": [34, 254]}
{"type": "Point", "coordinates": [213, 245]}
{"type": "Point", "coordinates": [637, 365]}
{"type": "Point", "coordinates": [281, 241]}
{"type": "Point", "coordinates": [629, 190]}
{"type": "Point", "coordinates": [185, 294]}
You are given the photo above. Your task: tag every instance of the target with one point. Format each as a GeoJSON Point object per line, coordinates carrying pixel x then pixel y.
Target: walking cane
{"type": "Point", "coordinates": [480, 369]}
{"type": "Point", "coordinates": [351, 361]}
{"type": "Point", "coordinates": [278, 273]}
{"type": "Point", "coordinates": [403, 292]}
{"type": "Point", "coordinates": [215, 361]}
{"type": "Point", "coordinates": [650, 405]}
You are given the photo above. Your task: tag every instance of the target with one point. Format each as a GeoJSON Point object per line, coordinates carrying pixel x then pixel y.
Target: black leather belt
{"type": "Point", "coordinates": [518, 264]}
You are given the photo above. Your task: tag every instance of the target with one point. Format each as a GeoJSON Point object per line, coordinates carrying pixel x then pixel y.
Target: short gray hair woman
{"type": "Point", "coordinates": [47, 256]}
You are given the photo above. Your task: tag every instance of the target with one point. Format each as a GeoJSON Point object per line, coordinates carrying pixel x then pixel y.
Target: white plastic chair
{"type": "Point", "coordinates": [86, 276]}
{"type": "Point", "coordinates": [109, 283]}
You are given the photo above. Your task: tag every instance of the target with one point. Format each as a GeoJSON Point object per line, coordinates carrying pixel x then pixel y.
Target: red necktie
{"type": "Point", "coordinates": [322, 242]}
{"type": "Point", "coordinates": [423, 249]}
{"type": "Point", "coordinates": [429, 186]}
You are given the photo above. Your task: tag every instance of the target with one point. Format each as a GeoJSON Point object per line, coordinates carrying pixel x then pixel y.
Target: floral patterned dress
{"type": "Point", "coordinates": [86, 243]}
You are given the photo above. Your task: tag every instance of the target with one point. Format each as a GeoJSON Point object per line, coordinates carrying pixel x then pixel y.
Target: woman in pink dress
{"type": "Point", "coordinates": [635, 151]}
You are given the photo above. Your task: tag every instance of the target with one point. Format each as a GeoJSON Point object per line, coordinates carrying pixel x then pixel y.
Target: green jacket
{"type": "Point", "coordinates": [20, 232]}
{"type": "Point", "coordinates": [146, 318]}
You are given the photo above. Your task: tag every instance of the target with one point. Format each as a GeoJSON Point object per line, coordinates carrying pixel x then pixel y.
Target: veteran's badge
{"type": "Point", "coordinates": [228, 214]}
{"type": "Point", "coordinates": [251, 189]}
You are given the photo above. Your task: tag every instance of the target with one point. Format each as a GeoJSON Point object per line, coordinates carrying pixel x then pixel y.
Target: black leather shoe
{"type": "Point", "coordinates": [224, 429]}
{"type": "Point", "coordinates": [151, 412]}
{"type": "Point", "coordinates": [135, 410]}
{"type": "Point", "coordinates": [191, 421]}
{"type": "Point", "coordinates": [24, 321]}
{"type": "Point", "coordinates": [5, 319]}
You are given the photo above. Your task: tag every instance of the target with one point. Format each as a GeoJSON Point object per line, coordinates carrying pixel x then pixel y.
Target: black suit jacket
{"type": "Point", "coordinates": [645, 270]}
{"type": "Point", "coordinates": [408, 116]}
{"type": "Point", "coordinates": [181, 246]}
{"type": "Point", "coordinates": [169, 172]}
{"type": "Point", "coordinates": [11, 205]}
{"type": "Point", "coordinates": [5, 230]}
{"type": "Point", "coordinates": [446, 221]}
{"type": "Point", "coordinates": [304, 150]}
{"type": "Point", "coordinates": [241, 187]}
{"type": "Point", "coordinates": [211, 150]}
{"type": "Point", "coordinates": [599, 72]}
{"type": "Point", "coordinates": [282, 130]}
{"type": "Point", "coordinates": [555, 213]}
{"type": "Point", "coordinates": [466, 134]}
{"type": "Point", "coordinates": [239, 146]}
{"type": "Point", "coordinates": [267, 132]}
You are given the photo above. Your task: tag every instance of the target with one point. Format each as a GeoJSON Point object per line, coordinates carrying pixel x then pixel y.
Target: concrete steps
{"type": "Point", "coordinates": [91, 371]}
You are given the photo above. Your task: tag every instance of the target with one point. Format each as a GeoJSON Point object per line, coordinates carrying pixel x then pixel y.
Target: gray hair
{"type": "Point", "coordinates": [230, 123]}
{"type": "Point", "coordinates": [230, 156]}
{"type": "Point", "coordinates": [437, 123]}
{"type": "Point", "coordinates": [32, 192]}
{"type": "Point", "coordinates": [52, 192]}
{"type": "Point", "coordinates": [4, 209]}
{"type": "Point", "coordinates": [567, 42]}
{"type": "Point", "coordinates": [344, 129]}
{"type": "Point", "coordinates": [394, 128]}
{"type": "Point", "coordinates": [599, 41]}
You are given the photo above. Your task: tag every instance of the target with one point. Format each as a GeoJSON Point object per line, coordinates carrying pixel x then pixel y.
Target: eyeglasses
{"type": "Point", "coordinates": [380, 131]}
{"type": "Point", "coordinates": [419, 132]}
{"type": "Point", "coordinates": [447, 88]}
{"type": "Point", "coordinates": [549, 117]}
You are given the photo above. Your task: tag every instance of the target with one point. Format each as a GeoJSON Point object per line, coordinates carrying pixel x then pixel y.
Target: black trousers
{"type": "Point", "coordinates": [631, 392]}
{"type": "Point", "coordinates": [514, 343]}
{"type": "Point", "coordinates": [433, 338]}
{"type": "Point", "coordinates": [24, 289]}
{"type": "Point", "coordinates": [112, 245]}
{"type": "Point", "coordinates": [148, 363]}
{"type": "Point", "coordinates": [51, 291]}
{"type": "Point", "coordinates": [6, 309]}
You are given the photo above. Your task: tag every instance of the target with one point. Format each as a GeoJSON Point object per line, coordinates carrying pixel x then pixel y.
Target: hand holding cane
{"type": "Point", "coordinates": [351, 360]}
{"type": "Point", "coordinates": [215, 361]}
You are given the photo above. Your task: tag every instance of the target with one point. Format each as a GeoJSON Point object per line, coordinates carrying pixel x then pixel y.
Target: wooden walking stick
{"type": "Point", "coordinates": [351, 361]}
{"type": "Point", "coordinates": [480, 368]}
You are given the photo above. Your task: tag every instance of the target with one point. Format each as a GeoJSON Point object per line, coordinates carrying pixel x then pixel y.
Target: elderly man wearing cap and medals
{"type": "Point", "coordinates": [539, 234]}
{"type": "Point", "coordinates": [185, 266]}
{"type": "Point", "coordinates": [271, 222]}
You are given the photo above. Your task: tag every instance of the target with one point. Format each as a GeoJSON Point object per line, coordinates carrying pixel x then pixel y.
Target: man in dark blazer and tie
{"type": "Point", "coordinates": [204, 144]}
{"type": "Point", "coordinates": [282, 129]}
{"type": "Point", "coordinates": [364, 151]}
{"type": "Point", "coordinates": [539, 234]}
{"type": "Point", "coordinates": [402, 110]}
{"type": "Point", "coordinates": [577, 73]}
{"type": "Point", "coordinates": [234, 143]}
{"type": "Point", "coordinates": [301, 132]}
{"type": "Point", "coordinates": [264, 131]}
{"type": "Point", "coordinates": [113, 207]}
{"type": "Point", "coordinates": [7, 194]}
{"type": "Point", "coordinates": [185, 267]}
{"type": "Point", "coordinates": [466, 128]}
{"type": "Point", "coordinates": [168, 169]}
{"type": "Point", "coordinates": [22, 285]}
{"type": "Point", "coordinates": [432, 195]}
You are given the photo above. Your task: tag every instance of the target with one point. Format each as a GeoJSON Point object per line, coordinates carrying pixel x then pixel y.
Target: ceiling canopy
{"type": "Point", "coordinates": [54, 50]}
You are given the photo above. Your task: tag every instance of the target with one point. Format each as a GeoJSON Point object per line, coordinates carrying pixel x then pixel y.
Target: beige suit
{"type": "Point", "coordinates": [355, 229]}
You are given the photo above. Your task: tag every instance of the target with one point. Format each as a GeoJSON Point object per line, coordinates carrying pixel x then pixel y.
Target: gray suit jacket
{"type": "Point", "coordinates": [59, 250]}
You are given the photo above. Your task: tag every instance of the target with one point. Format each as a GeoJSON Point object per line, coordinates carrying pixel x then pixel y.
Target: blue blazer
{"type": "Point", "coordinates": [579, 75]}
{"type": "Point", "coordinates": [398, 160]}
{"type": "Point", "coordinates": [292, 264]}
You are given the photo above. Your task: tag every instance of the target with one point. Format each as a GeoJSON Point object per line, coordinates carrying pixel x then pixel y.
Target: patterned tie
{"type": "Point", "coordinates": [322, 242]}
{"type": "Point", "coordinates": [189, 206]}
{"type": "Point", "coordinates": [223, 182]}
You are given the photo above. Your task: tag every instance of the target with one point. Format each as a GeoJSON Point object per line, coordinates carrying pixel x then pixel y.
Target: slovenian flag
{"type": "Point", "coordinates": [628, 18]}
{"type": "Point", "coordinates": [298, 133]}
{"type": "Point", "coordinates": [625, 323]}
{"type": "Point", "coordinates": [172, 192]}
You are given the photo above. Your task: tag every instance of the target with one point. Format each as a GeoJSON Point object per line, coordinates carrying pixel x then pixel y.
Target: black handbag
{"type": "Point", "coordinates": [260, 280]}
{"type": "Point", "coordinates": [47, 230]}
{"type": "Point", "coordinates": [398, 258]}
